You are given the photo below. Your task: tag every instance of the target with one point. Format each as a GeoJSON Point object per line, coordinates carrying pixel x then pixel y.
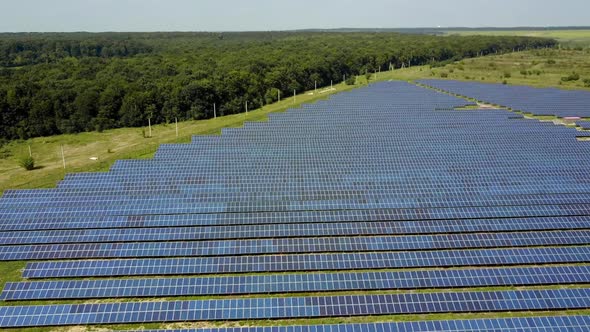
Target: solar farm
{"type": "Point", "coordinates": [389, 201]}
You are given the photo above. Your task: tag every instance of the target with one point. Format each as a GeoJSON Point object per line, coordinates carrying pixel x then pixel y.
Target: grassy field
{"type": "Point", "coordinates": [538, 68]}
{"type": "Point", "coordinates": [567, 38]}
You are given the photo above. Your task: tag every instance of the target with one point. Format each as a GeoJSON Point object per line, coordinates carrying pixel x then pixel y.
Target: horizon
{"type": "Point", "coordinates": [507, 28]}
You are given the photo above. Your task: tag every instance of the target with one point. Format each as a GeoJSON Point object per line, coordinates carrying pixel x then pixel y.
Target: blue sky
{"type": "Point", "coordinates": [232, 15]}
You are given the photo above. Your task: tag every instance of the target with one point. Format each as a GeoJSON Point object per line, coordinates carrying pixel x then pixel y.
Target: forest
{"type": "Point", "coordinates": [53, 83]}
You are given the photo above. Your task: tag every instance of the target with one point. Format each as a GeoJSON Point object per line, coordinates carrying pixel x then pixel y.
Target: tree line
{"type": "Point", "coordinates": [68, 83]}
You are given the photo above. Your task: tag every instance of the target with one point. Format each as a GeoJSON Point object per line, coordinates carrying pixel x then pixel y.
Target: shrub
{"type": "Point", "coordinates": [351, 80]}
{"type": "Point", "coordinates": [27, 163]}
{"type": "Point", "coordinates": [504, 82]}
{"type": "Point", "coordinates": [507, 75]}
{"type": "Point", "coordinates": [587, 82]}
{"type": "Point", "coordinates": [524, 72]}
{"type": "Point", "coordinates": [551, 62]}
{"type": "Point", "coordinates": [444, 75]}
{"type": "Point", "coordinates": [571, 77]}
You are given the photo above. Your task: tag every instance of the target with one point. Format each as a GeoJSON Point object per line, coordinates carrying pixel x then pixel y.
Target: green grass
{"type": "Point", "coordinates": [572, 38]}
{"type": "Point", "coordinates": [537, 68]}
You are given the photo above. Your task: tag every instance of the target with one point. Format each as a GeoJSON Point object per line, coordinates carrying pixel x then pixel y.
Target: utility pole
{"type": "Point", "coordinates": [150, 127]}
{"type": "Point", "coordinates": [315, 87]}
{"type": "Point", "coordinates": [63, 157]}
{"type": "Point", "coordinates": [246, 107]}
{"type": "Point", "coordinates": [30, 152]}
{"type": "Point", "coordinates": [279, 94]}
{"type": "Point", "coordinates": [294, 96]}
{"type": "Point", "coordinates": [176, 122]}
{"type": "Point", "coordinates": [214, 111]}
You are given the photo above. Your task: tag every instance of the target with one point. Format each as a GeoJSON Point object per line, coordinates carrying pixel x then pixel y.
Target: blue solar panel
{"type": "Point", "coordinates": [287, 283]}
{"type": "Point", "coordinates": [127, 232]}
{"type": "Point", "coordinates": [547, 101]}
{"type": "Point", "coordinates": [306, 262]}
{"type": "Point", "coordinates": [292, 307]}
{"type": "Point", "coordinates": [292, 245]}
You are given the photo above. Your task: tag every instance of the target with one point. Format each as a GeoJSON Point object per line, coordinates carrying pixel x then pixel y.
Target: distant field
{"type": "Point", "coordinates": [539, 68]}
{"type": "Point", "coordinates": [565, 37]}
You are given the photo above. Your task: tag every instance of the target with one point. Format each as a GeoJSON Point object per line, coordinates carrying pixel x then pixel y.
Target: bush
{"type": "Point", "coordinates": [551, 62]}
{"type": "Point", "coordinates": [27, 163]}
{"type": "Point", "coordinates": [507, 75]}
{"type": "Point", "coordinates": [572, 77]}
{"type": "Point", "coordinates": [351, 80]}
{"type": "Point", "coordinates": [587, 82]}
{"type": "Point", "coordinates": [524, 72]}
{"type": "Point", "coordinates": [444, 75]}
{"type": "Point", "coordinates": [504, 82]}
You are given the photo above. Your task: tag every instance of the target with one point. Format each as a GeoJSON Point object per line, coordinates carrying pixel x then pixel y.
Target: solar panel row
{"type": "Point", "coordinates": [306, 262]}
{"type": "Point", "coordinates": [286, 283]}
{"type": "Point", "coordinates": [516, 211]}
{"type": "Point", "coordinates": [175, 232]}
{"type": "Point", "coordinates": [292, 245]}
{"type": "Point", "coordinates": [293, 307]}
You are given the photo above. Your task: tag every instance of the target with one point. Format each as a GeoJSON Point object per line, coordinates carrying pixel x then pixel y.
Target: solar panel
{"type": "Point", "coordinates": [292, 307]}
{"type": "Point", "coordinates": [306, 262]}
{"type": "Point", "coordinates": [287, 283]}
{"type": "Point", "coordinates": [126, 232]}
{"type": "Point", "coordinates": [516, 211]}
{"type": "Point", "coordinates": [292, 245]}
{"type": "Point", "coordinates": [547, 101]}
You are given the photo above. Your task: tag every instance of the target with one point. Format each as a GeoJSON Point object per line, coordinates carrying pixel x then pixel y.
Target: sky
{"type": "Point", "coordinates": [263, 15]}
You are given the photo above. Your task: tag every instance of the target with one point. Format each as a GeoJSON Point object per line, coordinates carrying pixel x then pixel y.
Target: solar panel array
{"type": "Point", "coordinates": [387, 187]}
{"type": "Point", "coordinates": [538, 101]}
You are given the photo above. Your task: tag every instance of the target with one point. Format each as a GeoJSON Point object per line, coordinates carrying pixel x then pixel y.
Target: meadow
{"type": "Point", "coordinates": [567, 38]}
